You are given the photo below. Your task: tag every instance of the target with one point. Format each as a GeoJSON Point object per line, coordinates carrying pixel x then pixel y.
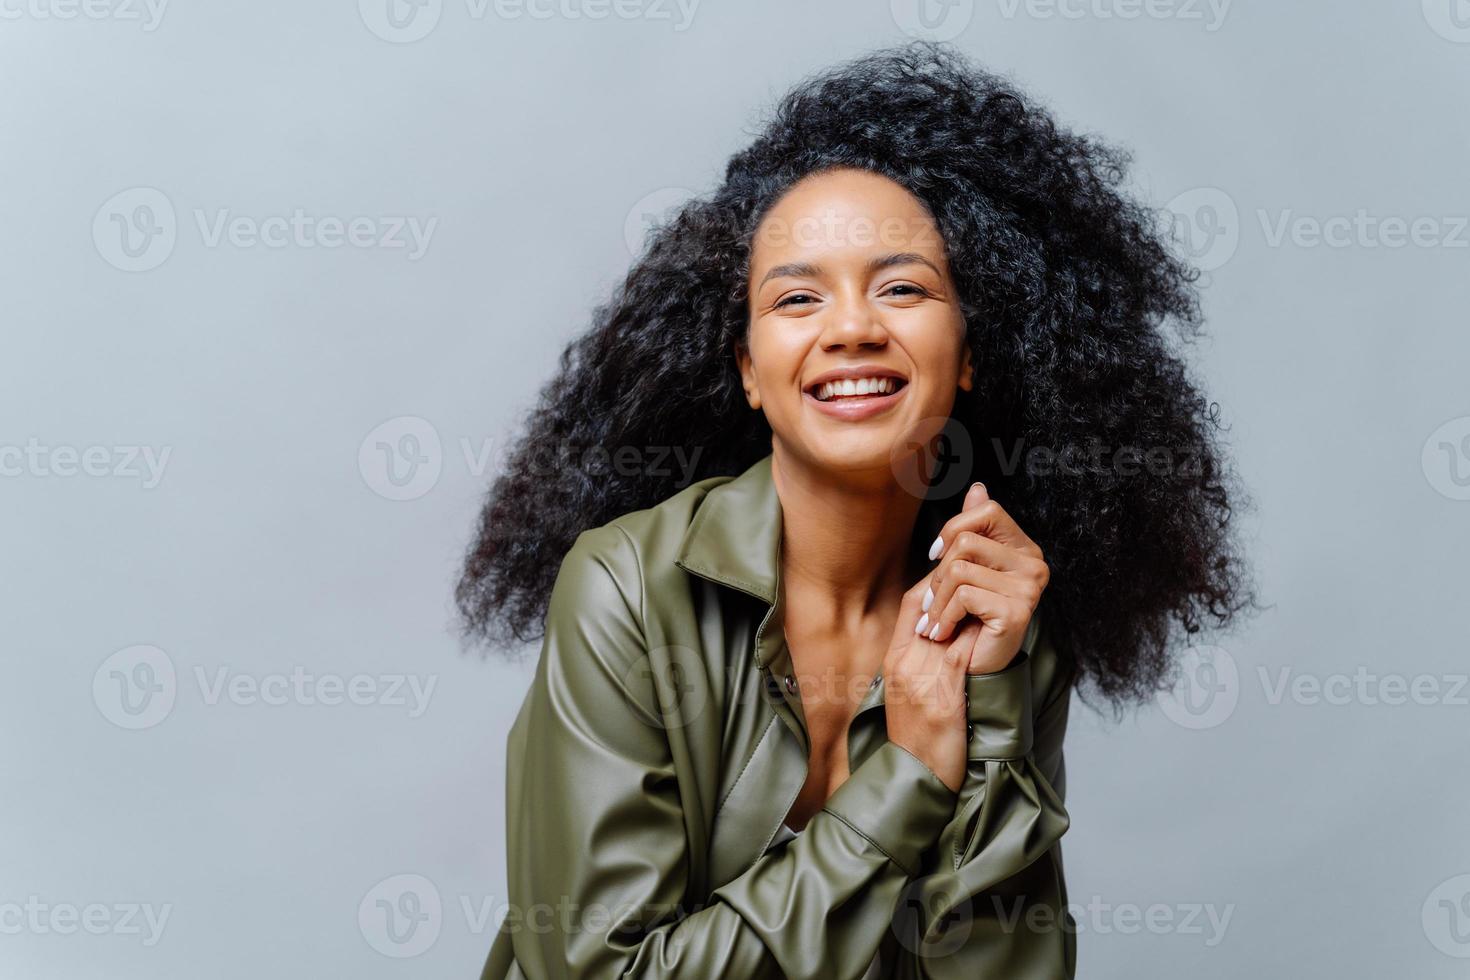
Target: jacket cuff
{"type": "Point", "coordinates": [896, 802]}
{"type": "Point", "coordinates": [998, 707]}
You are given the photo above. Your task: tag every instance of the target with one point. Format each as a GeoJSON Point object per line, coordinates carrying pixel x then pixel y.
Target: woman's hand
{"type": "Point", "coordinates": [924, 691]}
{"type": "Point", "coordinates": [979, 600]}
{"type": "Point", "coordinates": [988, 569]}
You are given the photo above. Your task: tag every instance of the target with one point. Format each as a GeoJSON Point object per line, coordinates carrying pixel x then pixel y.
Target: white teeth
{"type": "Point", "coordinates": [848, 387]}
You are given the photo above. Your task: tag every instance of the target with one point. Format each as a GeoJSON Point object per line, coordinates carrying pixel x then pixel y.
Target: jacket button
{"type": "Point", "coordinates": [790, 683]}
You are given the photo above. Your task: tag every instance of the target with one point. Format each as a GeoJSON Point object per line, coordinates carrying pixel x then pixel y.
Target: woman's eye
{"type": "Point", "coordinates": [802, 298]}
{"type": "Point", "coordinates": [906, 289]}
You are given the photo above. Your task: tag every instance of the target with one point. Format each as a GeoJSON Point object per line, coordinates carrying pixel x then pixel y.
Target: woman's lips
{"type": "Point", "coordinates": [855, 408]}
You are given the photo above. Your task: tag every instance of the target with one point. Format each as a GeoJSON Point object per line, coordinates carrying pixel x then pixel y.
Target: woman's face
{"type": "Point", "coordinates": [849, 282]}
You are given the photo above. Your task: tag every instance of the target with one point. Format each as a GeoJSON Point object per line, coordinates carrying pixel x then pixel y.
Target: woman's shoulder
{"type": "Point", "coordinates": [649, 536]}
{"type": "Point", "coordinates": [632, 549]}
{"type": "Point", "coordinates": [599, 605]}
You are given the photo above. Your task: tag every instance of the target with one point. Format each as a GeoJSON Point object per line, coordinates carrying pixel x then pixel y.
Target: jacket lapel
{"type": "Point", "coordinates": [735, 540]}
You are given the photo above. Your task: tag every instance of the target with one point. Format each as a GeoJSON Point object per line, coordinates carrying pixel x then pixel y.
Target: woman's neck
{"type": "Point", "coordinates": [845, 538]}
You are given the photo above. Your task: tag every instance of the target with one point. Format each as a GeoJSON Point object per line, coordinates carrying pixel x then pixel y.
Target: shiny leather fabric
{"type": "Point", "coordinates": [662, 743]}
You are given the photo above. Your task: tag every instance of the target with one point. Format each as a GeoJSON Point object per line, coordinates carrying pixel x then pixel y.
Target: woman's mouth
{"type": "Point", "coordinates": [852, 399]}
{"type": "Point", "coordinates": [855, 388]}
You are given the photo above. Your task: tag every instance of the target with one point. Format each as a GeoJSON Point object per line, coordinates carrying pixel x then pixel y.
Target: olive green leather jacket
{"type": "Point", "coordinates": [662, 743]}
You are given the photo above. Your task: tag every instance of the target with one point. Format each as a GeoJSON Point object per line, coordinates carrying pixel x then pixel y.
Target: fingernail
{"type": "Point", "coordinates": [934, 632]}
{"type": "Point", "coordinates": [937, 548]}
{"type": "Point", "coordinates": [928, 598]}
{"type": "Point", "coordinates": [923, 623]}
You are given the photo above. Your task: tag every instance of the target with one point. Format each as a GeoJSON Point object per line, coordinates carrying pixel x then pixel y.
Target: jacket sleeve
{"type": "Point", "coordinates": [597, 835]}
{"type": "Point", "coordinates": [992, 900]}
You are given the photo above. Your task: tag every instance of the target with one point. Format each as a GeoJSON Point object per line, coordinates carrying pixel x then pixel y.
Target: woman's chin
{"type": "Point", "coordinates": [869, 452]}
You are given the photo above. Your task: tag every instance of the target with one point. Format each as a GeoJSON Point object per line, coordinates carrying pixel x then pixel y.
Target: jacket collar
{"type": "Point", "coordinates": [735, 537]}
{"type": "Point", "coordinates": [735, 540]}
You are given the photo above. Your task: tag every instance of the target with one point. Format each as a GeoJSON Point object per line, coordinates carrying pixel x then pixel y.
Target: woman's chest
{"type": "Point", "coordinates": [756, 731]}
{"type": "Point", "coordinates": [827, 721]}
{"type": "Point", "coordinates": [836, 674]}
{"type": "Point", "coordinates": [788, 745]}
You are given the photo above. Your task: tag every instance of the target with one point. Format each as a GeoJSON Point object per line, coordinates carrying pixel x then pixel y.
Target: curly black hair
{"type": "Point", "coordinates": [1066, 285]}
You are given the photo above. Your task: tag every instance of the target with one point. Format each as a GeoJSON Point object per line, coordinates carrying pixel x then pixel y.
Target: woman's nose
{"type": "Point", "coordinates": [854, 322]}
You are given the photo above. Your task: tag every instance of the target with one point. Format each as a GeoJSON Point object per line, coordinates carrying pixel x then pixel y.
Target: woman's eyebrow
{"type": "Point", "coordinates": [900, 258]}
{"type": "Point", "coordinates": [790, 269]}
{"type": "Point", "coordinates": [809, 270]}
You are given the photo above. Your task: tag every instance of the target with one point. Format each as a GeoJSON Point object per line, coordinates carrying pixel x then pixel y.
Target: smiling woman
{"type": "Point", "coordinates": [850, 290]}
{"type": "Point", "coordinates": [803, 716]}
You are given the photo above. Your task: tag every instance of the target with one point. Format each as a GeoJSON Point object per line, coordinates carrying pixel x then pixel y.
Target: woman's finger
{"type": "Point", "coordinates": [1023, 587]}
{"type": "Point", "coordinates": [1028, 576]}
{"type": "Point", "coordinates": [937, 670]}
{"type": "Point", "coordinates": [909, 609]}
{"type": "Point", "coordinates": [988, 518]}
{"type": "Point", "coordinates": [998, 613]}
{"type": "Point", "coordinates": [974, 546]}
{"type": "Point", "coordinates": [967, 639]}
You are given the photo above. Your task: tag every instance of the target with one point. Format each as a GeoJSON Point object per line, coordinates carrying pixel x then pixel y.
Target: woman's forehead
{"type": "Point", "coordinates": [845, 211]}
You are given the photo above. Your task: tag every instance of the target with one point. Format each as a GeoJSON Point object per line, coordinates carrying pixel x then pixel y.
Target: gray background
{"type": "Point", "coordinates": [1330, 830]}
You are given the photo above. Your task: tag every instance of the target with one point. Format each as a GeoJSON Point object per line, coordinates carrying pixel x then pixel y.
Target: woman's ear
{"type": "Point", "coordinates": [747, 374]}
{"type": "Point", "coordinates": [967, 368]}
